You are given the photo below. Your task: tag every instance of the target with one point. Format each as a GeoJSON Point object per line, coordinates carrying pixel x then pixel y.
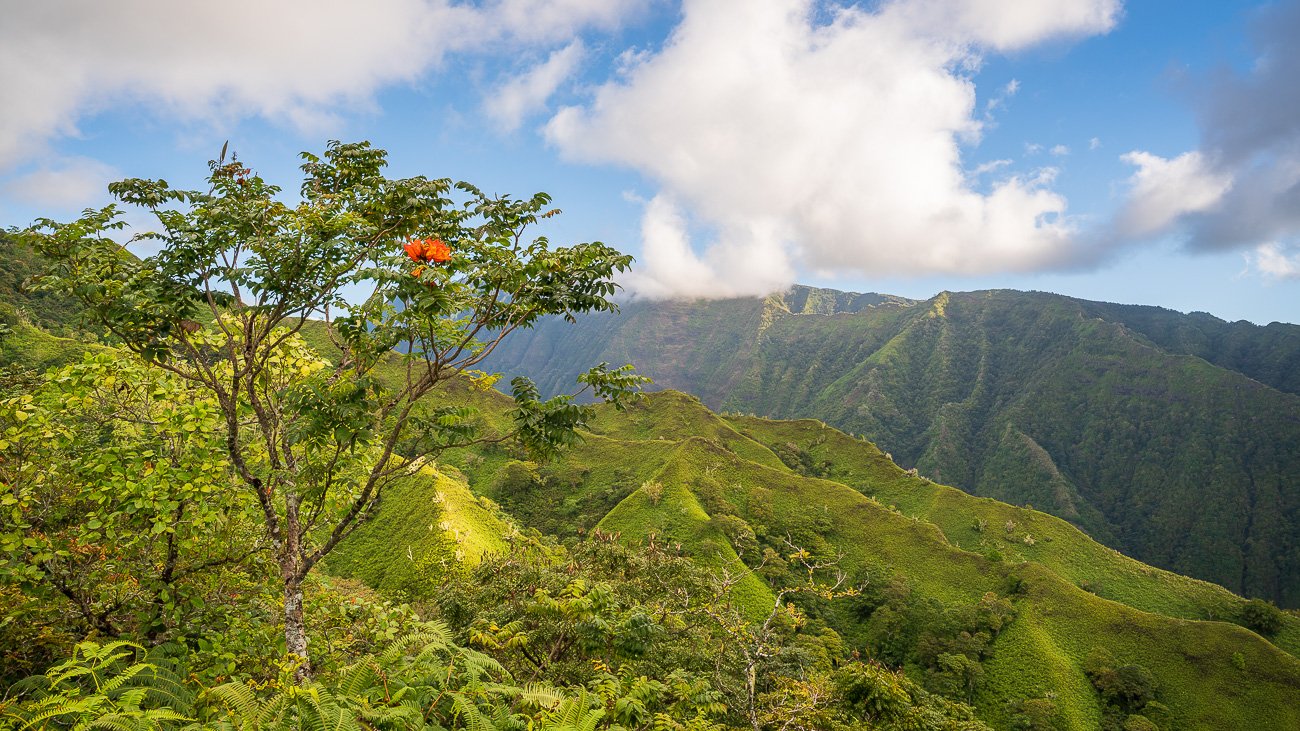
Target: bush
{"type": "Point", "coordinates": [1262, 617]}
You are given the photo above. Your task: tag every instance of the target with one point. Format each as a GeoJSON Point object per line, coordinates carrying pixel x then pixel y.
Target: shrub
{"type": "Point", "coordinates": [654, 490]}
{"type": "Point", "coordinates": [1262, 617]}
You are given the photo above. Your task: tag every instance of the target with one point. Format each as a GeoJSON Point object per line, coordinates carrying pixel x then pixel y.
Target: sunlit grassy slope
{"type": "Point", "coordinates": [427, 523]}
{"type": "Point", "coordinates": [994, 528]}
{"type": "Point", "coordinates": [946, 544]}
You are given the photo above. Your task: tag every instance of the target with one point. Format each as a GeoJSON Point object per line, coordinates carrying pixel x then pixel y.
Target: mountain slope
{"type": "Point", "coordinates": [1158, 433]}
{"type": "Point", "coordinates": [677, 475]}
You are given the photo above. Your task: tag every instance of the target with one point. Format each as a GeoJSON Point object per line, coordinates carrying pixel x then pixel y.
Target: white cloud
{"type": "Point", "coordinates": [1003, 26]}
{"type": "Point", "coordinates": [990, 166]}
{"type": "Point", "coordinates": [1162, 190]}
{"type": "Point", "coordinates": [1060, 150]}
{"type": "Point", "coordinates": [63, 183]}
{"type": "Point", "coordinates": [832, 145]}
{"type": "Point", "coordinates": [527, 94]}
{"type": "Point", "coordinates": [292, 61]}
{"type": "Point", "coordinates": [1273, 262]}
{"type": "Point", "coordinates": [668, 267]}
{"type": "Point", "coordinates": [1094, 143]}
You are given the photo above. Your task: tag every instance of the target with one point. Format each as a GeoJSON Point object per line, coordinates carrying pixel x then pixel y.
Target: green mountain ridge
{"type": "Point", "coordinates": [1174, 438]}
{"type": "Point", "coordinates": [1072, 597]}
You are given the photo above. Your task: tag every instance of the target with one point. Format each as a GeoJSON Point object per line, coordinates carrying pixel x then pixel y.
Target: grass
{"type": "Point", "coordinates": [1059, 623]}
{"type": "Point", "coordinates": [428, 523]}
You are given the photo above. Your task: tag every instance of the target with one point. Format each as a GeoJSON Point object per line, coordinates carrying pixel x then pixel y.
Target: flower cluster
{"type": "Point", "coordinates": [425, 251]}
{"type": "Point", "coordinates": [428, 250]}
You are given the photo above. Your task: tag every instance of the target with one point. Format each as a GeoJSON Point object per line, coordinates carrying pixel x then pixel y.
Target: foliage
{"type": "Point", "coordinates": [101, 686]}
{"type": "Point", "coordinates": [314, 442]}
{"type": "Point", "coordinates": [1125, 690]}
{"type": "Point", "coordinates": [117, 513]}
{"type": "Point", "coordinates": [1261, 616]}
{"type": "Point", "coordinates": [56, 313]}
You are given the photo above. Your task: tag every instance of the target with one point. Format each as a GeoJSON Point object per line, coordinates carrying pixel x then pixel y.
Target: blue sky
{"type": "Point", "coordinates": [1141, 152]}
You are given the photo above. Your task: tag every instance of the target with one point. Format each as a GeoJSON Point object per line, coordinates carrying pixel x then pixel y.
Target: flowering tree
{"type": "Point", "coordinates": [414, 289]}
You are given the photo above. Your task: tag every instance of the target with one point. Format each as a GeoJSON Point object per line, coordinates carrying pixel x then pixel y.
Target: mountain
{"type": "Point", "coordinates": [721, 488]}
{"type": "Point", "coordinates": [1007, 608]}
{"type": "Point", "coordinates": [1173, 438]}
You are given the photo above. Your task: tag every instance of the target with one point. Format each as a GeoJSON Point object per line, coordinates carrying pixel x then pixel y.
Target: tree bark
{"type": "Point", "coordinates": [291, 572]}
{"type": "Point", "coordinates": [295, 630]}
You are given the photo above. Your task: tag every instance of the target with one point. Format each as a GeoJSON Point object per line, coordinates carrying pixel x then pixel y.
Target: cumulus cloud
{"type": "Point", "coordinates": [1249, 160]}
{"type": "Point", "coordinates": [293, 61]}
{"type": "Point", "coordinates": [668, 267]}
{"type": "Point", "coordinates": [526, 94]}
{"type": "Point", "coordinates": [833, 144]}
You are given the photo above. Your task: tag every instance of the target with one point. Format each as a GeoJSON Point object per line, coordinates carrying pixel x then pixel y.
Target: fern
{"type": "Point", "coordinates": [470, 715]}
{"type": "Point", "coordinates": [432, 637]}
{"type": "Point", "coordinates": [58, 706]}
{"type": "Point", "coordinates": [238, 698]}
{"type": "Point", "coordinates": [358, 677]}
{"type": "Point", "coordinates": [574, 714]}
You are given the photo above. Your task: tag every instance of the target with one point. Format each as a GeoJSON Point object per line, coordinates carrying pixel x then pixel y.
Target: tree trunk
{"type": "Point", "coordinates": [295, 631]}
{"type": "Point", "coordinates": [291, 561]}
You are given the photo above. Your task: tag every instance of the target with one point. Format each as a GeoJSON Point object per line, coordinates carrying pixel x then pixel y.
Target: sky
{"type": "Point", "coordinates": [1139, 152]}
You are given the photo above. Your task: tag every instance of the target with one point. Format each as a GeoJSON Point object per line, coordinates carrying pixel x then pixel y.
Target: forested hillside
{"type": "Point", "coordinates": [1175, 438]}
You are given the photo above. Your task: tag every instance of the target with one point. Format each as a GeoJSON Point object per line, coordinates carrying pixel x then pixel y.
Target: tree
{"type": "Point", "coordinates": [760, 643]}
{"type": "Point", "coordinates": [427, 287]}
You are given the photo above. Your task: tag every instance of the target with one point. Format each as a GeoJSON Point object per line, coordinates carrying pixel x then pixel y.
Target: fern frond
{"type": "Point", "coordinates": [530, 695]}
{"type": "Point", "coordinates": [358, 678]}
{"type": "Point", "coordinates": [432, 636]}
{"type": "Point", "coordinates": [237, 698]}
{"type": "Point", "coordinates": [63, 707]}
{"type": "Point", "coordinates": [120, 679]}
{"type": "Point", "coordinates": [479, 664]}
{"type": "Point", "coordinates": [111, 722]}
{"type": "Point", "coordinates": [469, 714]}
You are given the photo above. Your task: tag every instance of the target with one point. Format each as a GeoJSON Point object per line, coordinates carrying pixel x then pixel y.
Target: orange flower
{"type": "Point", "coordinates": [428, 250]}
{"type": "Point", "coordinates": [436, 251]}
{"type": "Point", "coordinates": [415, 249]}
